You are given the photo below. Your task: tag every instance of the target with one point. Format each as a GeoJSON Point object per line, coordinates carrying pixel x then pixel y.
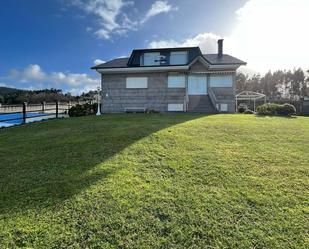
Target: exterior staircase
{"type": "Point", "coordinates": [201, 103]}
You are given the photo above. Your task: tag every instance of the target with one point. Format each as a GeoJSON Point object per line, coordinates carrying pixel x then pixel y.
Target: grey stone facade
{"type": "Point", "coordinates": [116, 97]}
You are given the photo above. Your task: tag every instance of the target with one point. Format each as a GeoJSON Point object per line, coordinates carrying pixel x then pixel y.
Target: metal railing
{"type": "Point", "coordinates": [213, 98]}
{"type": "Point", "coordinates": [27, 112]}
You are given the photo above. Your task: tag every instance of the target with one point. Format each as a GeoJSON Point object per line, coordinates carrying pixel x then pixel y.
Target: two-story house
{"type": "Point", "coordinates": [170, 79]}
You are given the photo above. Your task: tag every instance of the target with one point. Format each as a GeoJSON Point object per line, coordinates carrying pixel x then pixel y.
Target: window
{"type": "Point", "coordinates": [223, 107]}
{"type": "Point", "coordinates": [136, 82]}
{"type": "Point", "coordinates": [176, 81]}
{"type": "Point", "coordinates": [150, 59]}
{"type": "Point", "coordinates": [175, 107]}
{"type": "Point", "coordinates": [221, 81]}
{"type": "Point", "coordinates": [179, 58]}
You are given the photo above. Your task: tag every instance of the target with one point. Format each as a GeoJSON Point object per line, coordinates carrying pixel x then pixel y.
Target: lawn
{"type": "Point", "coordinates": [156, 181]}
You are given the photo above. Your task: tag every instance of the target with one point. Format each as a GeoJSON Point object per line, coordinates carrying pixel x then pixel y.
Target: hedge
{"type": "Point", "coordinates": [82, 110]}
{"type": "Point", "coordinates": [276, 109]}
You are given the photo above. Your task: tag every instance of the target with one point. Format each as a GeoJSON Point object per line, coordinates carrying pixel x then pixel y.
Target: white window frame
{"type": "Point", "coordinates": [176, 81]}
{"type": "Point", "coordinates": [175, 107]}
{"type": "Point", "coordinates": [136, 82]}
{"type": "Point", "coordinates": [221, 80]}
{"type": "Point", "coordinates": [154, 55]}
{"type": "Point", "coordinates": [176, 55]}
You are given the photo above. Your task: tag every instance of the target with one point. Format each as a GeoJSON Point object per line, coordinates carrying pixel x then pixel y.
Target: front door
{"type": "Point", "coordinates": [197, 85]}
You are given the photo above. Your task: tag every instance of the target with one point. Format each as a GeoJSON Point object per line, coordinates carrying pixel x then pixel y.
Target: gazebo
{"type": "Point", "coordinates": [251, 96]}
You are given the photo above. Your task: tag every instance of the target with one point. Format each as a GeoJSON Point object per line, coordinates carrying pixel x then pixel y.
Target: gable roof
{"type": "Point", "coordinates": [225, 59]}
{"type": "Point", "coordinates": [193, 53]}
{"type": "Point", "coordinates": [115, 63]}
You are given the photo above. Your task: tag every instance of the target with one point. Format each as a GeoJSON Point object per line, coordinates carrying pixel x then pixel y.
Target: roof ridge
{"type": "Point", "coordinates": [167, 48]}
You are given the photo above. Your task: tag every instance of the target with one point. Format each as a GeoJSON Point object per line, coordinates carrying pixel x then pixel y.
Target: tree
{"type": "Point", "coordinates": [241, 82]}
{"type": "Point", "coordinates": [277, 86]}
{"type": "Point", "coordinates": [296, 80]}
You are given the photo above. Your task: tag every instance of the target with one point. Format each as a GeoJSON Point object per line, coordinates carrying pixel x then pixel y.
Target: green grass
{"type": "Point", "coordinates": [156, 181]}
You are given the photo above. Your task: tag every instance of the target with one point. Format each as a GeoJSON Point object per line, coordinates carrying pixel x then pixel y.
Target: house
{"type": "Point", "coordinates": [170, 79]}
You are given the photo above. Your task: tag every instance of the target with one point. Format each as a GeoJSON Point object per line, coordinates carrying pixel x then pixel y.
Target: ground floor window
{"type": "Point", "coordinates": [223, 107]}
{"type": "Point", "coordinates": [176, 81]}
{"type": "Point", "coordinates": [175, 107]}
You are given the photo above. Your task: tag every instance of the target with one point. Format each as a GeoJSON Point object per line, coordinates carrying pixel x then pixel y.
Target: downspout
{"type": "Point", "coordinates": [186, 97]}
{"type": "Point", "coordinates": [102, 91]}
{"type": "Point", "coordinates": [234, 91]}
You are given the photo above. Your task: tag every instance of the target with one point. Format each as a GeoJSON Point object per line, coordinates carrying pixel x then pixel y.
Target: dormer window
{"type": "Point", "coordinates": [163, 58]}
{"type": "Point", "coordinates": [150, 59]}
{"type": "Point", "coordinates": [179, 58]}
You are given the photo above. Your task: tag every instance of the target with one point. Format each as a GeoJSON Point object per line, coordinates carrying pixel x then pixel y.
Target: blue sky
{"type": "Point", "coordinates": [53, 43]}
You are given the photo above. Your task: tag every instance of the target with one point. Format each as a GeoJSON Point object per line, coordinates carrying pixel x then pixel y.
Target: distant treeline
{"type": "Point", "coordinates": [17, 96]}
{"type": "Point", "coordinates": [278, 86]}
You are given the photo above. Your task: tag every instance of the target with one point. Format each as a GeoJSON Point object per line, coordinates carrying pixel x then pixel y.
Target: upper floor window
{"type": "Point", "coordinates": [179, 58]}
{"type": "Point", "coordinates": [150, 59]}
{"type": "Point", "coordinates": [221, 81]}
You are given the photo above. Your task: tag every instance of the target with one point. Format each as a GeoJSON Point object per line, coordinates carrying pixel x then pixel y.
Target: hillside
{"type": "Point", "coordinates": [155, 181]}
{"type": "Point", "coordinates": [7, 90]}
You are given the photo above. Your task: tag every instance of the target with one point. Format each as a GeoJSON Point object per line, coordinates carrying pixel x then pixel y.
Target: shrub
{"type": "Point", "coordinates": [276, 109]}
{"type": "Point", "coordinates": [152, 111]}
{"type": "Point", "coordinates": [286, 110]}
{"type": "Point", "coordinates": [248, 111]}
{"type": "Point", "coordinates": [241, 109]}
{"type": "Point", "coordinates": [82, 110]}
{"type": "Point", "coordinates": [267, 109]}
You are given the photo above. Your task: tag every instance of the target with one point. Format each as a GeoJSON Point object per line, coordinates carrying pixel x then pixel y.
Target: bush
{"type": "Point", "coordinates": [241, 109]}
{"type": "Point", "coordinates": [82, 110]}
{"type": "Point", "coordinates": [286, 110]}
{"type": "Point", "coordinates": [248, 111]}
{"type": "Point", "coordinates": [276, 109]}
{"type": "Point", "coordinates": [152, 111]}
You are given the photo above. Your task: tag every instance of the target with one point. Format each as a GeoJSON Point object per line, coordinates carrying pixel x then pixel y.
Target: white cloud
{"type": "Point", "coordinates": [272, 34]}
{"type": "Point", "coordinates": [206, 41]}
{"type": "Point", "coordinates": [157, 8]}
{"type": "Point", "coordinates": [121, 56]}
{"type": "Point", "coordinates": [98, 61]}
{"type": "Point", "coordinates": [65, 80]}
{"type": "Point", "coordinates": [89, 29]}
{"type": "Point", "coordinates": [268, 35]}
{"type": "Point", "coordinates": [110, 16]}
{"type": "Point", "coordinates": [33, 72]}
{"type": "Point", "coordinates": [164, 44]}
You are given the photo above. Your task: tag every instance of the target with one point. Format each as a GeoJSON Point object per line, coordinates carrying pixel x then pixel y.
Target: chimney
{"type": "Point", "coordinates": [220, 47]}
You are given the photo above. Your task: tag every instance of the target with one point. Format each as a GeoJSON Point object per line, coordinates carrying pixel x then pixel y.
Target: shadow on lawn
{"type": "Point", "coordinates": [44, 164]}
{"type": "Point", "coordinates": [275, 116]}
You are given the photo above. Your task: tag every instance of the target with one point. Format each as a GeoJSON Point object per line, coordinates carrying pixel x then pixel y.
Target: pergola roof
{"type": "Point", "coordinates": [249, 95]}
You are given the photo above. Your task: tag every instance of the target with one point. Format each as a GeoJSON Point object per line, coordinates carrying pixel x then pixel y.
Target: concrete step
{"type": "Point", "coordinates": [201, 103]}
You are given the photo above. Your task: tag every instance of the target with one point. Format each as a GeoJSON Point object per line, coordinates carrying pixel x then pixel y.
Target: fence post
{"type": "Point", "coordinates": [24, 112]}
{"type": "Point", "coordinates": [57, 107]}
{"type": "Point", "coordinates": [43, 106]}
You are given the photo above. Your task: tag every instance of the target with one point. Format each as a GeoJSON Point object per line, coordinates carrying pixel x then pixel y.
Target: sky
{"type": "Point", "coordinates": [53, 43]}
